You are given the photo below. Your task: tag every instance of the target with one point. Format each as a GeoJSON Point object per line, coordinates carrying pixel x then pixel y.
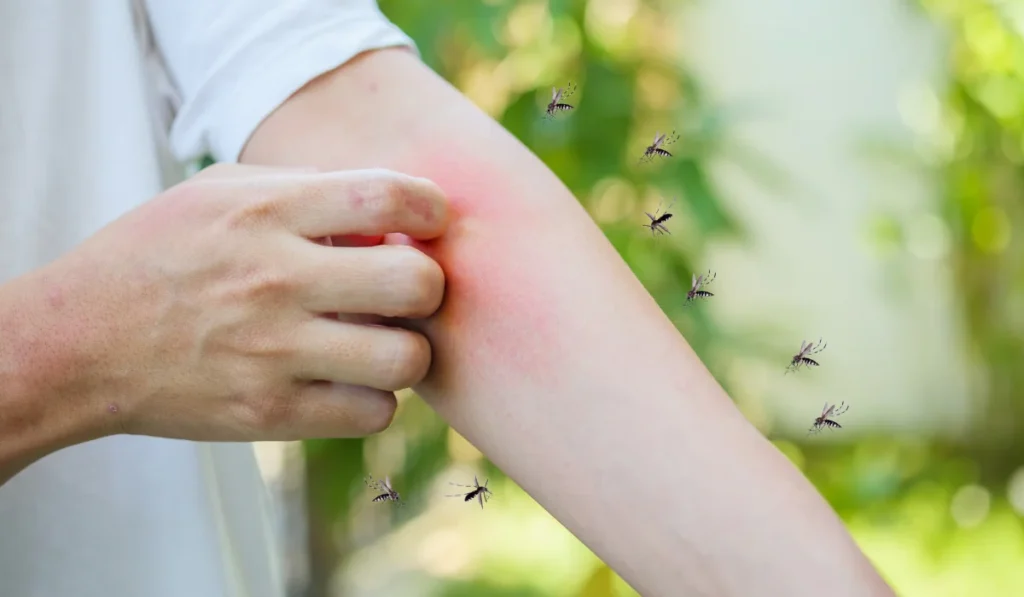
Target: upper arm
{"type": "Point", "coordinates": [232, 62]}
{"type": "Point", "coordinates": [519, 243]}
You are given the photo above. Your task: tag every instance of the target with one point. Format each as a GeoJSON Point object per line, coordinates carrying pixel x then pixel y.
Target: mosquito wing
{"type": "Point", "coordinates": [658, 139]}
{"type": "Point", "coordinates": [693, 281]}
{"type": "Point", "coordinates": [827, 411]}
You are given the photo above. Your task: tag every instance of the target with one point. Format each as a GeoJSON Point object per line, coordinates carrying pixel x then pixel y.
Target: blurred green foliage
{"type": "Point", "coordinates": [934, 515]}
{"type": "Point", "coordinates": [984, 171]}
{"type": "Point", "coordinates": [942, 517]}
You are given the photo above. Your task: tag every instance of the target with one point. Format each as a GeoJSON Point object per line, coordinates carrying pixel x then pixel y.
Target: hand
{"type": "Point", "coordinates": [207, 313]}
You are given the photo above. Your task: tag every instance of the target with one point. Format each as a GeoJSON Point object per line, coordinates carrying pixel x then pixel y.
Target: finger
{"type": "Point", "coordinates": [393, 281]}
{"type": "Point", "coordinates": [375, 356]}
{"type": "Point", "coordinates": [328, 410]}
{"type": "Point", "coordinates": [363, 203]}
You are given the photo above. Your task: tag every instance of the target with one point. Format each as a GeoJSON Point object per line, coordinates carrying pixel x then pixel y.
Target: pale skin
{"type": "Point", "coordinates": [659, 475]}
{"type": "Point", "coordinates": [210, 313]}
{"type": "Point", "coordinates": [544, 350]}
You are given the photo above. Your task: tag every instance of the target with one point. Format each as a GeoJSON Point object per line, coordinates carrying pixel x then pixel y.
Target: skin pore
{"type": "Point", "coordinates": [544, 349]}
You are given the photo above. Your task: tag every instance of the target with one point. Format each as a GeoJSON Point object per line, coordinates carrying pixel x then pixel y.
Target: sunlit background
{"type": "Point", "coordinates": [851, 170]}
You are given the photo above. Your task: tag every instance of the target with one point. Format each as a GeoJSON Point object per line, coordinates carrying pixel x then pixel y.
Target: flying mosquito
{"type": "Point", "coordinates": [657, 224]}
{"type": "Point", "coordinates": [697, 287]}
{"type": "Point", "coordinates": [824, 419]}
{"type": "Point", "coordinates": [661, 140]}
{"type": "Point", "coordinates": [556, 104]}
{"type": "Point", "coordinates": [387, 494]}
{"type": "Point", "coordinates": [480, 492]}
{"type": "Point", "coordinates": [803, 357]}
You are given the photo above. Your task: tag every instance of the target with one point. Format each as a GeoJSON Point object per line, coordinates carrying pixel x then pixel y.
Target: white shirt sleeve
{"type": "Point", "coordinates": [230, 63]}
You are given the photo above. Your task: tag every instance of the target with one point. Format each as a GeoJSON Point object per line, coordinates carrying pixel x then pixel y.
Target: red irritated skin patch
{"type": "Point", "coordinates": [499, 311]}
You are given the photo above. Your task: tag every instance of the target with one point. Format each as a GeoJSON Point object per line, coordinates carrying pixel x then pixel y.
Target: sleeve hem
{"type": "Point", "coordinates": [213, 121]}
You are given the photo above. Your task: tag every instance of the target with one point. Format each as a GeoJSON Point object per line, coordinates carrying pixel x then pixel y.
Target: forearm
{"type": "Point", "coordinates": [552, 358]}
{"type": "Point", "coordinates": [41, 409]}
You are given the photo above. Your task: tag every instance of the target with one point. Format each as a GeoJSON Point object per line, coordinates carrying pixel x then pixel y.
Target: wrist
{"type": "Point", "coordinates": [45, 403]}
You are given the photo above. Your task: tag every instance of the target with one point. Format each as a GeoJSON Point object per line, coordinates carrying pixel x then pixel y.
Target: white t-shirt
{"type": "Point", "coordinates": [82, 84]}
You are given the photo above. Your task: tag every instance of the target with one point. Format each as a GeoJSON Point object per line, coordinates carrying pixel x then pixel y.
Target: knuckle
{"type": "Point", "coordinates": [255, 214]}
{"type": "Point", "coordinates": [408, 359]}
{"type": "Point", "coordinates": [267, 285]}
{"type": "Point", "coordinates": [268, 414]}
{"type": "Point", "coordinates": [265, 346]}
{"type": "Point", "coordinates": [382, 194]}
{"type": "Point", "coordinates": [390, 199]}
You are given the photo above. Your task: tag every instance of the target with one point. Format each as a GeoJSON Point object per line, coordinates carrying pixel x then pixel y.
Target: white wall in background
{"type": "Point", "coordinates": [822, 74]}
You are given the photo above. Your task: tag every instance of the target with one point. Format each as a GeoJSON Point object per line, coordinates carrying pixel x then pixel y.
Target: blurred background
{"type": "Point", "coordinates": [851, 170]}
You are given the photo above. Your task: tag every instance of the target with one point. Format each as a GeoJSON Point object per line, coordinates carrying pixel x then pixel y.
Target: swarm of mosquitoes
{"type": "Point", "coordinates": [658, 226]}
{"type": "Point", "coordinates": [384, 492]}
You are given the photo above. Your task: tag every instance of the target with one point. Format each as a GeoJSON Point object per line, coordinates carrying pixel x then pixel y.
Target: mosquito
{"type": "Point", "coordinates": [824, 419]}
{"type": "Point", "coordinates": [557, 95]}
{"type": "Point", "coordinates": [697, 287]}
{"type": "Point", "coordinates": [656, 148]}
{"type": "Point", "coordinates": [803, 357]}
{"type": "Point", "coordinates": [480, 492]}
{"type": "Point", "coordinates": [388, 494]}
{"type": "Point", "coordinates": [657, 224]}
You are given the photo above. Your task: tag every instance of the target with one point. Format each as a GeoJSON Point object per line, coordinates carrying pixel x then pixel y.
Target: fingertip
{"type": "Point", "coordinates": [383, 413]}
{"type": "Point", "coordinates": [430, 204]}
{"type": "Point", "coordinates": [374, 410]}
{"type": "Point", "coordinates": [332, 409]}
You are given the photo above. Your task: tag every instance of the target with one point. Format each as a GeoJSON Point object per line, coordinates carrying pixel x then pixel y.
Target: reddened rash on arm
{"type": "Point", "coordinates": [551, 357]}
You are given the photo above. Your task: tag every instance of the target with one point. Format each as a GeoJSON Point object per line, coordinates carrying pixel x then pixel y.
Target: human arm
{"type": "Point", "coordinates": [552, 358]}
{"type": "Point", "coordinates": [203, 315]}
